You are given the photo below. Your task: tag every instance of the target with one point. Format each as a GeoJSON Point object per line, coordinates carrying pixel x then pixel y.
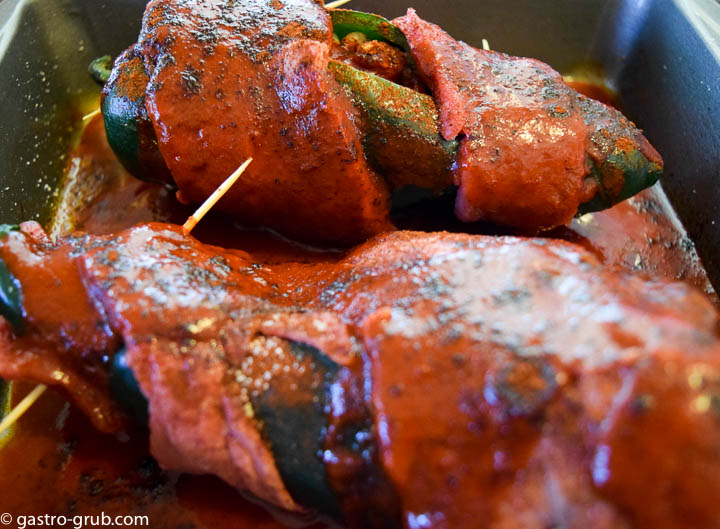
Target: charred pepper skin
{"type": "Point", "coordinates": [128, 127]}
{"type": "Point", "coordinates": [294, 422]}
{"type": "Point", "coordinates": [10, 290]}
{"type": "Point", "coordinates": [302, 427]}
{"type": "Point", "coordinates": [293, 414]}
{"type": "Point", "coordinates": [125, 388]}
{"type": "Point", "coordinates": [619, 156]}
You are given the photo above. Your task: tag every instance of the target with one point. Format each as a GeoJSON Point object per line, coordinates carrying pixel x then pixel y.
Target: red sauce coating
{"type": "Point", "coordinates": [532, 150]}
{"type": "Point", "coordinates": [522, 356]}
{"type": "Point", "coordinates": [232, 80]}
{"type": "Point", "coordinates": [642, 235]}
{"type": "Point", "coordinates": [118, 202]}
{"type": "Point", "coordinates": [218, 95]}
{"type": "Point", "coordinates": [205, 508]}
{"type": "Point", "coordinates": [522, 157]}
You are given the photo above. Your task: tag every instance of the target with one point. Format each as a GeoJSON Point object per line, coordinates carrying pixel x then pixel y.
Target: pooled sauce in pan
{"type": "Point", "coordinates": [57, 463]}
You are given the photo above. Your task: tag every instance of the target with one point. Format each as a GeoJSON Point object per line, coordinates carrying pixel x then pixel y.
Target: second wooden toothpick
{"type": "Point", "coordinates": [336, 3]}
{"type": "Point", "coordinates": [25, 404]}
{"type": "Point", "coordinates": [191, 222]}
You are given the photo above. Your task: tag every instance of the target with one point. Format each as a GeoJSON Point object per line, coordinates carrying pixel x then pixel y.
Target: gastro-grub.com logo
{"type": "Point", "coordinates": [76, 522]}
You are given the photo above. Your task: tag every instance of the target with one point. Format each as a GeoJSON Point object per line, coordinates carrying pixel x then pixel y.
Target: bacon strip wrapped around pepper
{"type": "Point", "coordinates": [424, 380]}
{"type": "Point", "coordinates": [337, 127]}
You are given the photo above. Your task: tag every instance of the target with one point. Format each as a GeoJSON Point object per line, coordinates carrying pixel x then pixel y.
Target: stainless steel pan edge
{"type": "Point", "coordinates": [45, 47]}
{"type": "Point", "coordinates": [671, 85]}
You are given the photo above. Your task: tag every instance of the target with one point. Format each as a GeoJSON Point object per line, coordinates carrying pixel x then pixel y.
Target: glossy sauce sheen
{"type": "Point", "coordinates": [528, 142]}
{"type": "Point", "coordinates": [56, 461]}
{"type": "Point", "coordinates": [512, 379]}
{"type": "Point", "coordinates": [86, 464]}
{"type": "Point", "coordinates": [225, 81]}
{"type": "Point", "coordinates": [515, 139]}
{"type": "Point", "coordinates": [218, 96]}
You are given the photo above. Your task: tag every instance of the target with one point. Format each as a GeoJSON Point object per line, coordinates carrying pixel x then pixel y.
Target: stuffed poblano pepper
{"type": "Point", "coordinates": [341, 109]}
{"type": "Point", "coordinates": [450, 374]}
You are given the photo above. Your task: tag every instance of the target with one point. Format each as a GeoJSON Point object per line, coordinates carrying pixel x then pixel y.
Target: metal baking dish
{"type": "Point", "coordinates": [662, 56]}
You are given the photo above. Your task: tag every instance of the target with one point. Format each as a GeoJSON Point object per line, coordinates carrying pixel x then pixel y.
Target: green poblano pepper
{"type": "Point", "coordinates": [401, 126]}
{"type": "Point", "coordinates": [10, 289]}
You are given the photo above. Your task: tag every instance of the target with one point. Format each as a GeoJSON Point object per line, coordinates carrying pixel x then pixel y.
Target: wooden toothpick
{"type": "Point", "coordinates": [336, 3]}
{"type": "Point", "coordinates": [212, 199]}
{"type": "Point", "coordinates": [25, 404]}
{"type": "Point", "coordinates": [17, 412]}
{"type": "Point", "coordinates": [91, 115]}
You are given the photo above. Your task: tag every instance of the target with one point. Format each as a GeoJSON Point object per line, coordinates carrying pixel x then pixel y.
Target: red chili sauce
{"type": "Point", "coordinates": [57, 463]}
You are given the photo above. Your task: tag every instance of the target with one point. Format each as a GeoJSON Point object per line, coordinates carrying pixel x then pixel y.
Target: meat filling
{"type": "Point", "coordinates": [379, 58]}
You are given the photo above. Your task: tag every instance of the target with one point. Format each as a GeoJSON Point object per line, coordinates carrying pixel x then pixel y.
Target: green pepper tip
{"type": "Point", "coordinates": [100, 69]}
